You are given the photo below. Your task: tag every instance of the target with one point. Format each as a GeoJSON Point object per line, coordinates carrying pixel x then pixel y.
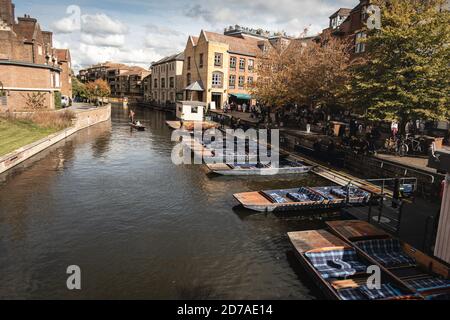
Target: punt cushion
{"type": "Point", "coordinates": [386, 251]}
{"type": "Point", "coordinates": [336, 263]}
{"type": "Point", "coordinates": [431, 283]}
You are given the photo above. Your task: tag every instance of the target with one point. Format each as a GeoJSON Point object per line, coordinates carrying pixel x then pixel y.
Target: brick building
{"type": "Point", "coordinates": [130, 83]}
{"type": "Point", "coordinates": [220, 67]}
{"type": "Point", "coordinates": [29, 66]}
{"type": "Point", "coordinates": [167, 79]}
{"type": "Point", "coordinates": [65, 64]}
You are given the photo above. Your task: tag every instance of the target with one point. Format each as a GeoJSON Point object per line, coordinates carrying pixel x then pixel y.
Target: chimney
{"type": "Point", "coordinates": [7, 12]}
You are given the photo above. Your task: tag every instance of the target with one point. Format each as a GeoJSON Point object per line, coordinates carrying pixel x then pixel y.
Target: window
{"type": "Point", "coordinates": [363, 13]}
{"type": "Point", "coordinates": [241, 81]}
{"type": "Point", "coordinates": [39, 50]}
{"type": "Point", "coordinates": [172, 82]}
{"type": "Point", "coordinates": [242, 64]}
{"type": "Point", "coordinates": [250, 80]}
{"type": "Point", "coordinates": [163, 83]}
{"type": "Point", "coordinates": [251, 64]}
{"type": "Point", "coordinates": [188, 79]}
{"type": "Point", "coordinates": [232, 62]}
{"type": "Point", "coordinates": [189, 63]}
{"type": "Point", "coordinates": [194, 109]}
{"type": "Point", "coordinates": [360, 45]}
{"type": "Point", "coordinates": [172, 97]}
{"type": "Point", "coordinates": [218, 59]}
{"type": "Point", "coordinates": [155, 85]}
{"type": "Point", "coordinates": [232, 82]}
{"type": "Point", "coordinates": [217, 80]}
{"type": "Point", "coordinates": [201, 60]}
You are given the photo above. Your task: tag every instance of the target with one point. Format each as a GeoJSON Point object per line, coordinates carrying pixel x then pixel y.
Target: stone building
{"type": "Point", "coordinates": [220, 67]}
{"type": "Point", "coordinates": [167, 79]}
{"type": "Point", "coordinates": [30, 73]}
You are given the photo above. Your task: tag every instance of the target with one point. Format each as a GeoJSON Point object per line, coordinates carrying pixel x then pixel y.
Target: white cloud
{"type": "Point", "coordinates": [164, 40]}
{"type": "Point", "coordinates": [101, 24]}
{"type": "Point", "coordinates": [112, 40]}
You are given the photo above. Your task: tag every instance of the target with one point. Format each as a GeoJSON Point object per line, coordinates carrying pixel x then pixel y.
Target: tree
{"type": "Point", "coordinates": [98, 89]}
{"type": "Point", "coordinates": [406, 76]}
{"type": "Point", "coordinates": [313, 73]}
{"type": "Point", "coordinates": [79, 88]}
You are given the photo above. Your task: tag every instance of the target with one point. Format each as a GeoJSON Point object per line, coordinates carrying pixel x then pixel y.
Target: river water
{"type": "Point", "coordinates": [111, 201]}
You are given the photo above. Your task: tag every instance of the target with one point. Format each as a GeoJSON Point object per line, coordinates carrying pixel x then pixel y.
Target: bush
{"type": "Point", "coordinates": [55, 120]}
{"type": "Point", "coordinates": [57, 100]}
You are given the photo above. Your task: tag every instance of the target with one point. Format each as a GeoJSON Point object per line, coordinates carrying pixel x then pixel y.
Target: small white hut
{"type": "Point", "coordinates": [191, 110]}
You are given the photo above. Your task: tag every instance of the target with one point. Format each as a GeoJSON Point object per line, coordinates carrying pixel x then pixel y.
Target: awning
{"type": "Point", "coordinates": [196, 86]}
{"type": "Point", "coordinates": [241, 96]}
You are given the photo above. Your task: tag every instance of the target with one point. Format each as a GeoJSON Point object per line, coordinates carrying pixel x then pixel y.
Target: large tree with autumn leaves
{"type": "Point", "coordinates": [313, 73]}
{"type": "Point", "coordinates": [407, 72]}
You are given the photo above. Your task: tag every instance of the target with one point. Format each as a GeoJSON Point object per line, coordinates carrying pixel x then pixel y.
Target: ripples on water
{"type": "Point", "coordinates": [111, 201]}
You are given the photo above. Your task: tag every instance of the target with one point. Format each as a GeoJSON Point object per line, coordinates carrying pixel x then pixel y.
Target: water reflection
{"type": "Point", "coordinates": [112, 202]}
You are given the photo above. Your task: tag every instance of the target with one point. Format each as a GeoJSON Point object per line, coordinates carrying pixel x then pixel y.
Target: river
{"type": "Point", "coordinates": [111, 201]}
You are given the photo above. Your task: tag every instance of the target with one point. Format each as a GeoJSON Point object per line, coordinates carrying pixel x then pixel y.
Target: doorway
{"type": "Point", "coordinates": [217, 98]}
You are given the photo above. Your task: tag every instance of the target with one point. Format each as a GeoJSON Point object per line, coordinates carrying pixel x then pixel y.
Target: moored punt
{"type": "Point", "coordinates": [425, 275]}
{"type": "Point", "coordinates": [190, 125]}
{"type": "Point", "coordinates": [340, 270]}
{"type": "Point", "coordinates": [248, 169]}
{"type": "Point", "coordinates": [303, 198]}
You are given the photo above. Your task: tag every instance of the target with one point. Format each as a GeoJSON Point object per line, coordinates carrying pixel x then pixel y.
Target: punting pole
{"type": "Point", "coordinates": [442, 248]}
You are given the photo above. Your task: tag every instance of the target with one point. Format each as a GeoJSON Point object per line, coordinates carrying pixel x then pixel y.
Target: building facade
{"type": "Point", "coordinates": [65, 64]}
{"type": "Point", "coordinates": [219, 68]}
{"type": "Point", "coordinates": [130, 84]}
{"type": "Point", "coordinates": [167, 80]}
{"type": "Point", "coordinates": [30, 73]}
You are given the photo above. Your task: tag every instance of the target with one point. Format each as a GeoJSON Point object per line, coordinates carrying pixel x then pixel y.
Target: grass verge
{"type": "Point", "coordinates": [19, 132]}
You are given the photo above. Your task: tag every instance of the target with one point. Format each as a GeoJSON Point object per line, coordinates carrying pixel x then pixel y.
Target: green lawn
{"type": "Point", "coordinates": [15, 134]}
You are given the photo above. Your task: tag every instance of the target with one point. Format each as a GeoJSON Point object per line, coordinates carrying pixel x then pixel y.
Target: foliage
{"type": "Point", "coordinates": [79, 88]}
{"type": "Point", "coordinates": [98, 89]}
{"type": "Point", "coordinates": [309, 73]}
{"type": "Point", "coordinates": [57, 97]}
{"type": "Point", "coordinates": [35, 101]}
{"type": "Point", "coordinates": [407, 71]}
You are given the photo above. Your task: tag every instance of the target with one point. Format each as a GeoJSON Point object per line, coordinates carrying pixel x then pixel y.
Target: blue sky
{"type": "Point", "coordinates": [139, 32]}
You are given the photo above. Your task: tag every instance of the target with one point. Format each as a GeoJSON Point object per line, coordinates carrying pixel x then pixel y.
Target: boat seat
{"type": "Point", "coordinates": [388, 252]}
{"type": "Point", "coordinates": [336, 263]}
{"type": "Point", "coordinates": [298, 197]}
{"type": "Point", "coordinates": [430, 283]}
{"type": "Point", "coordinates": [387, 291]}
{"type": "Point", "coordinates": [277, 198]}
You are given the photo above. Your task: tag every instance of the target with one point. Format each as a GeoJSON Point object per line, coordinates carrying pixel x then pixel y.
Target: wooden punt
{"type": "Point", "coordinates": [136, 127]}
{"type": "Point", "coordinates": [344, 286]}
{"type": "Point", "coordinates": [425, 275]}
{"type": "Point", "coordinates": [249, 169]}
{"type": "Point", "coordinates": [190, 125]}
{"type": "Point", "coordinates": [308, 198]}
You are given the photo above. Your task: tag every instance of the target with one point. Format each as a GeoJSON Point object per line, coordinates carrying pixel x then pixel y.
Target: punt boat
{"type": "Point", "coordinates": [425, 275]}
{"type": "Point", "coordinates": [137, 127]}
{"type": "Point", "coordinates": [340, 271]}
{"type": "Point", "coordinates": [303, 198]}
{"type": "Point", "coordinates": [247, 169]}
{"type": "Point", "coordinates": [190, 125]}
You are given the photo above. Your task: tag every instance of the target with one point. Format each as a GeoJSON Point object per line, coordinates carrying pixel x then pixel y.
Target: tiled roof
{"type": "Point", "coordinates": [342, 12]}
{"type": "Point", "coordinates": [136, 71]}
{"type": "Point", "coordinates": [243, 44]}
{"type": "Point", "coordinates": [174, 57]}
{"type": "Point", "coordinates": [63, 54]}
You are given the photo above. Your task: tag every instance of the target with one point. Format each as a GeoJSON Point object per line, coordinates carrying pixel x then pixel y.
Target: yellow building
{"type": "Point", "coordinates": [218, 67]}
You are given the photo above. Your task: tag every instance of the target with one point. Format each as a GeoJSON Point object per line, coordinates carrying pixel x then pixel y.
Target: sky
{"type": "Point", "coordinates": [140, 32]}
